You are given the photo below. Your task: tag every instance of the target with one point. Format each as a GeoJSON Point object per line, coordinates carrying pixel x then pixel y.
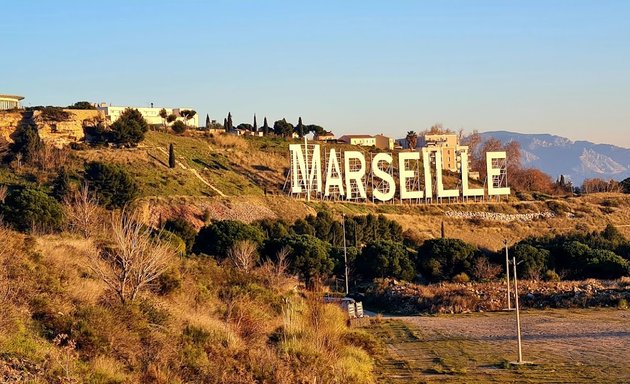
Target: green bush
{"type": "Point", "coordinates": [309, 257]}
{"type": "Point", "coordinates": [442, 259]}
{"type": "Point", "coordinates": [25, 208]}
{"type": "Point", "coordinates": [217, 238]}
{"type": "Point", "coordinates": [184, 230]}
{"type": "Point", "coordinates": [113, 185]}
{"type": "Point", "coordinates": [385, 259]}
{"type": "Point", "coordinates": [179, 127]}
{"type": "Point", "coordinates": [130, 128]}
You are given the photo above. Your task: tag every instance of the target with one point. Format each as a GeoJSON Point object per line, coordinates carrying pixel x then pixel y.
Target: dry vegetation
{"type": "Point", "coordinates": [565, 346]}
{"type": "Point", "coordinates": [183, 319]}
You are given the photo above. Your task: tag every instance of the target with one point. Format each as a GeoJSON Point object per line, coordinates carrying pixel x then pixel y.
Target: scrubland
{"type": "Point", "coordinates": [198, 322]}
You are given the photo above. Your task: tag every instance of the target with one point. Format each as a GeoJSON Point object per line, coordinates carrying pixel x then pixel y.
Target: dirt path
{"type": "Point", "coordinates": [567, 346]}
{"type": "Point", "coordinates": [194, 172]}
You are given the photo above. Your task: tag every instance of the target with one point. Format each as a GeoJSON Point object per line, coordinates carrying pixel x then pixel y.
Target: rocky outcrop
{"type": "Point", "coordinates": [57, 133]}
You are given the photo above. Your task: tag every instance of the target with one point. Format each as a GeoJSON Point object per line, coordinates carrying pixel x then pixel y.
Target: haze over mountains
{"type": "Point", "coordinates": [558, 155]}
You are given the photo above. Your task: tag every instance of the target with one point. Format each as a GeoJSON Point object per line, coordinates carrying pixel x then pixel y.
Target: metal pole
{"type": "Point", "coordinates": [518, 317]}
{"type": "Point", "coordinates": [507, 273]}
{"type": "Point", "coordinates": [345, 252]}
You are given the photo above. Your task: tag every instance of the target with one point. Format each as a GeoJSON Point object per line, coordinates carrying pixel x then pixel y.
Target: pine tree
{"type": "Point", "coordinates": [171, 156]}
{"type": "Point", "coordinates": [27, 142]}
{"type": "Point", "coordinates": [265, 127]}
{"type": "Point", "coordinates": [207, 121]}
{"type": "Point", "coordinates": [255, 124]}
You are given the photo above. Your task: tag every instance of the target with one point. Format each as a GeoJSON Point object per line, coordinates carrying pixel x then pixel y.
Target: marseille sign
{"type": "Point", "coordinates": [417, 177]}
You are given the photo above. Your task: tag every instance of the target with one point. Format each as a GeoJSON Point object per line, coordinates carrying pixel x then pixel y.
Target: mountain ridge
{"type": "Point", "coordinates": [577, 160]}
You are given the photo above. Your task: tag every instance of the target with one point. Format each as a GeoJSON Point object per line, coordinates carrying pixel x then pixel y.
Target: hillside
{"type": "Point", "coordinates": [579, 160]}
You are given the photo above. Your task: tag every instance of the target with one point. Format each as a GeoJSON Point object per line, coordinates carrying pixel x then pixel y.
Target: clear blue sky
{"type": "Point", "coordinates": [560, 67]}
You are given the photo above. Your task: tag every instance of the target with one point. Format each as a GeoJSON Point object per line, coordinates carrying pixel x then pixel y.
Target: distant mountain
{"type": "Point", "coordinates": [558, 155]}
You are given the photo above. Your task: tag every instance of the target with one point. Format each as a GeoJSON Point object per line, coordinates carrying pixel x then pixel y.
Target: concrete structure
{"type": "Point", "coordinates": [384, 142]}
{"type": "Point", "coordinates": [151, 115]}
{"type": "Point", "coordinates": [361, 140]}
{"type": "Point", "coordinates": [10, 102]}
{"type": "Point", "coordinates": [449, 144]}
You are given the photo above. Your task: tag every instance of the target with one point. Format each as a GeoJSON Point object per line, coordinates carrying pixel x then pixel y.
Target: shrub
{"type": "Point", "coordinates": [130, 128]}
{"type": "Point", "coordinates": [309, 257]}
{"type": "Point", "coordinates": [461, 278]}
{"type": "Point", "coordinates": [113, 185]}
{"type": "Point", "coordinates": [217, 238]}
{"type": "Point", "coordinates": [183, 229]}
{"type": "Point", "coordinates": [25, 208]}
{"type": "Point", "coordinates": [551, 275]}
{"type": "Point", "coordinates": [26, 141]}
{"type": "Point", "coordinates": [179, 127]}
{"type": "Point", "coordinates": [385, 259]}
{"type": "Point", "coordinates": [442, 259]}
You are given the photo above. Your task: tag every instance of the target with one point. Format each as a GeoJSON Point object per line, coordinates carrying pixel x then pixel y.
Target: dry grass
{"type": "Point", "coordinates": [566, 346]}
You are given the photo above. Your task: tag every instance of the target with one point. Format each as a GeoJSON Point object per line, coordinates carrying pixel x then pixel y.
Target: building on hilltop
{"type": "Point", "coordinates": [449, 146]}
{"type": "Point", "coordinates": [326, 136]}
{"type": "Point", "coordinates": [361, 140]}
{"type": "Point", "coordinates": [384, 142]}
{"type": "Point", "coordinates": [8, 102]}
{"type": "Point", "coordinates": [150, 114]}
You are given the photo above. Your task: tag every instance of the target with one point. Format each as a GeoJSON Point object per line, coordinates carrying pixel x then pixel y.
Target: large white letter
{"type": "Point", "coordinates": [428, 181]}
{"type": "Point", "coordinates": [386, 177]}
{"type": "Point", "coordinates": [467, 192]}
{"type": "Point", "coordinates": [333, 166]}
{"type": "Point", "coordinates": [441, 192]}
{"type": "Point", "coordinates": [491, 172]}
{"type": "Point", "coordinates": [356, 175]}
{"type": "Point", "coordinates": [298, 168]}
{"type": "Point", "coordinates": [405, 174]}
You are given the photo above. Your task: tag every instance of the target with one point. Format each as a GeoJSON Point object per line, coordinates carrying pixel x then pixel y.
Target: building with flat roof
{"type": "Point", "coordinates": [361, 140]}
{"type": "Point", "coordinates": [384, 142]}
{"type": "Point", "coordinates": [449, 146]}
{"type": "Point", "coordinates": [150, 114]}
{"type": "Point", "coordinates": [10, 102]}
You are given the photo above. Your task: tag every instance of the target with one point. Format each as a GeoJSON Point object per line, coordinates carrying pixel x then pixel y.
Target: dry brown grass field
{"type": "Point", "coordinates": [564, 346]}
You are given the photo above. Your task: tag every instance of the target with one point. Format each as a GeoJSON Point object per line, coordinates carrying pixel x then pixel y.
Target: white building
{"type": "Point", "coordinates": [10, 102]}
{"type": "Point", "coordinates": [151, 115]}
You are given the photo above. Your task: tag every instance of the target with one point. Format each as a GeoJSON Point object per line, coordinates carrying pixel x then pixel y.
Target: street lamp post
{"type": "Point", "coordinates": [345, 251]}
{"type": "Point", "coordinates": [507, 274]}
{"type": "Point", "coordinates": [518, 317]}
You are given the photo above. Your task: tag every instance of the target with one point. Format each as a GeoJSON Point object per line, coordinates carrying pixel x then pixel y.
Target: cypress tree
{"type": "Point", "coordinates": [207, 121]}
{"type": "Point", "coordinates": [443, 231]}
{"type": "Point", "coordinates": [265, 127]}
{"type": "Point", "coordinates": [229, 121]}
{"type": "Point", "coordinates": [255, 124]}
{"type": "Point", "coordinates": [300, 128]}
{"type": "Point", "coordinates": [171, 156]}
{"type": "Point", "coordinates": [225, 126]}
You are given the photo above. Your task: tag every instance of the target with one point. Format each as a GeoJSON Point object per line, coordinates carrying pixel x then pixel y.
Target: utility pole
{"type": "Point", "coordinates": [518, 317]}
{"type": "Point", "coordinates": [345, 251]}
{"type": "Point", "coordinates": [507, 274]}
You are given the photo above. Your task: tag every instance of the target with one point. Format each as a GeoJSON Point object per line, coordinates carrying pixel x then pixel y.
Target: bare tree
{"type": "Point", "coordinates": [133, 260]}
{"type": "Point", "coordinates": [483, 269]}
{"type": "Point", "coordinates": [82, 210]}
{"type": "Point", "coordinates": [243, 255]}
